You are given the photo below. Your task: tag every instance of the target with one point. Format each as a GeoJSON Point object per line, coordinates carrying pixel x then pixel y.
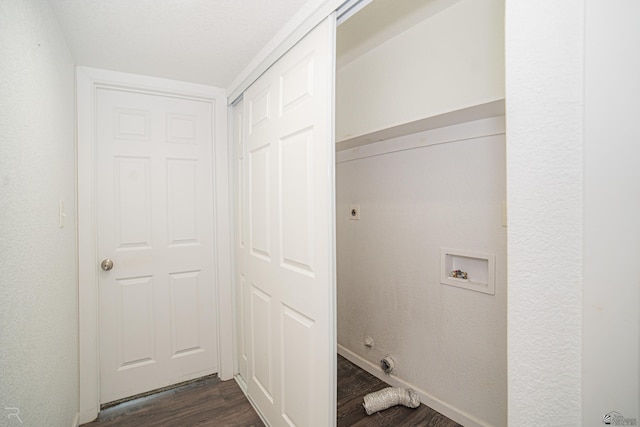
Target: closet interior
{"type": "Point", "coordinates": [420, 159]}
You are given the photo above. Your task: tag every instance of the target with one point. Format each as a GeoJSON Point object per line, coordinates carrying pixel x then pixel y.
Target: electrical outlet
{"type": "Point", "coordinates": [354, 212]}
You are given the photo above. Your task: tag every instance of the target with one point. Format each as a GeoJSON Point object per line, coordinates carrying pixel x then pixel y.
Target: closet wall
{"type": "Point", "coordinates": [442, 187]}
{"type": "Point", "coordinates": [403, 61]}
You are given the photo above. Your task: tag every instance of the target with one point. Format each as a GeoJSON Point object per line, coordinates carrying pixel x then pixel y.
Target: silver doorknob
{"type": "Point", "coordinates": [106, 264]}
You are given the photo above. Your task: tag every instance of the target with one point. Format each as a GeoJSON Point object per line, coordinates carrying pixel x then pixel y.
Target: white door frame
{"type": "Point", "coordinates": [88, 80]}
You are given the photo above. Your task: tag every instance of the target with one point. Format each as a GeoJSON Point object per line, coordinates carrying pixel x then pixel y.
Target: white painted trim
{"type": "Point", "coordinates": [234, 233]}
{"type": "Point", "coordinates": [310, 14]}
{"type": "Point", "coordinates": [450, 118]}
{"type": "Point", "coordinates": [89, 399]}
{"type": "Point", "coordinates": [88, 80]}
{"type": "Point", "coordinates": [350, 8]}
{"type": "Point", "coordinates": [223, 205]}
{"type": "Point", "coordinates": [463, 131]}
{"type": "Point", "coordinates": [333, 270]}
{"type": "Point", "coordinates": [431, 401]}
{"type": "Point", "coordinates": [76, 420]}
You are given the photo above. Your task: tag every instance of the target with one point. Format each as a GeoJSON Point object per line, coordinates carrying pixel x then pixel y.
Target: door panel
{"type": "Point", "coordinates": [298, 361]}
{"type": "Point", "coordinates": [288, 259]}
{"type": "Point", "coordinates": [155, 221]}
{"type": "Point", "coordinates": [259, 202]}
{"type": "Point", "coordinates": [181, 201]}
{"type": "Point", "coordinates": [135, 322]}
{"type": "Point", "coordinates": [262, 342]}
{"type": "Point", "coordinates": [296, 202]}
{"type": "Point", "coordinates": [185, 314]}
{"type": "Point", "coordinates": [132, 202]}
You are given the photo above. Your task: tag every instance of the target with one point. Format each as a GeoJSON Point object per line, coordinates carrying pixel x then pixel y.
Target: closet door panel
{"type": "Point", "coordinates": [289, 200]}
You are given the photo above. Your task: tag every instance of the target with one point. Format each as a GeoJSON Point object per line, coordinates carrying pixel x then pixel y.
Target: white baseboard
{"type": "Point", "coordinates": [444, 408]}
{"type": "Point", "coordinates": [76, 420]}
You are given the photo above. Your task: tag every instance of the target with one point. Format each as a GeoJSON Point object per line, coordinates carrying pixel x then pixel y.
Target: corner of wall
{"type": "Point", "coordinates": [39, 358]}
{"type": "Point", "coordinates": [544, 106]}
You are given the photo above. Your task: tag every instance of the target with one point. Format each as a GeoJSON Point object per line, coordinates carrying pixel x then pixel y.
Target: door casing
{"type": "Point", "coordinates": [88, 80]}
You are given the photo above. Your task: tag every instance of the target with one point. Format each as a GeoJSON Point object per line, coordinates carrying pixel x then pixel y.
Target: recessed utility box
{"type": "Point", "coordinates": [468, 270]}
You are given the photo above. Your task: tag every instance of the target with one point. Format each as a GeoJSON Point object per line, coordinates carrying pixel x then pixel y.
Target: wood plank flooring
{"type": "Point", "coordinates": [207, 403]}
{"type": "Point", "coordinates": [215, 403]}
{"type": "Point", "coordinates": [354, 383]}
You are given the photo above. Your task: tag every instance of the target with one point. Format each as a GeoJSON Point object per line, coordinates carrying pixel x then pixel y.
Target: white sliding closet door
{"type": "Point", "coordinates": [288, 213]}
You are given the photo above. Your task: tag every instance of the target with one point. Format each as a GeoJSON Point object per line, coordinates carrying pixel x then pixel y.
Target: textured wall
{"type": "Point", "coordinates": [544, 102]}
{"type": "Point", "coordinates": [446, 341]}
{"type": "Point", "coordinates": [611, 319]}
{"type": "Point", "coordinates": [38, 303]}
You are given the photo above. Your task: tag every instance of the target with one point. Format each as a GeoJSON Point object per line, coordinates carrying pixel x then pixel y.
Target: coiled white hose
{"type": "Point", "coordinates": [388, 397]}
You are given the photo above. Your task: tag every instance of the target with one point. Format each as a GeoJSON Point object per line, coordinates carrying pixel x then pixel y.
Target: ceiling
{"type": "Point", "coordinates": [211, 41]}
{"type": "Point", "coordinates": [201, 41]}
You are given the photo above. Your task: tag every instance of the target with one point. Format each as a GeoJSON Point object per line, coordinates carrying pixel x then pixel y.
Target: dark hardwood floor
{"type": "Point", "coordinates": [215, 403]}
{"type": "Point", "coordinates": [207, 403]}
{"type": "Point", "coordinates": [354, 383]}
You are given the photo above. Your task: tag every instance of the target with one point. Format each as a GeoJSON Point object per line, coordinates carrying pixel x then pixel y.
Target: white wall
{"type": "Point", "coordinates": [447, 342]}
{"type": "Point", "coordinates": [451, 60]}
{"type": "Point", "coordinates": [38, 303]}
{"type": "Point", "coordinates": [611, 296]}
{"type": "Point", "coordinates": [544, 102]}
{"type": "Point", "coordinates": [572, 106]}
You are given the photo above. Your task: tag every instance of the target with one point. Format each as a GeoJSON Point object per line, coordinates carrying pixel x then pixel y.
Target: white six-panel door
{"type": "Point", "coordinates": [157, 314]}
{"type": "Point", "coordinates": [287, 227]}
